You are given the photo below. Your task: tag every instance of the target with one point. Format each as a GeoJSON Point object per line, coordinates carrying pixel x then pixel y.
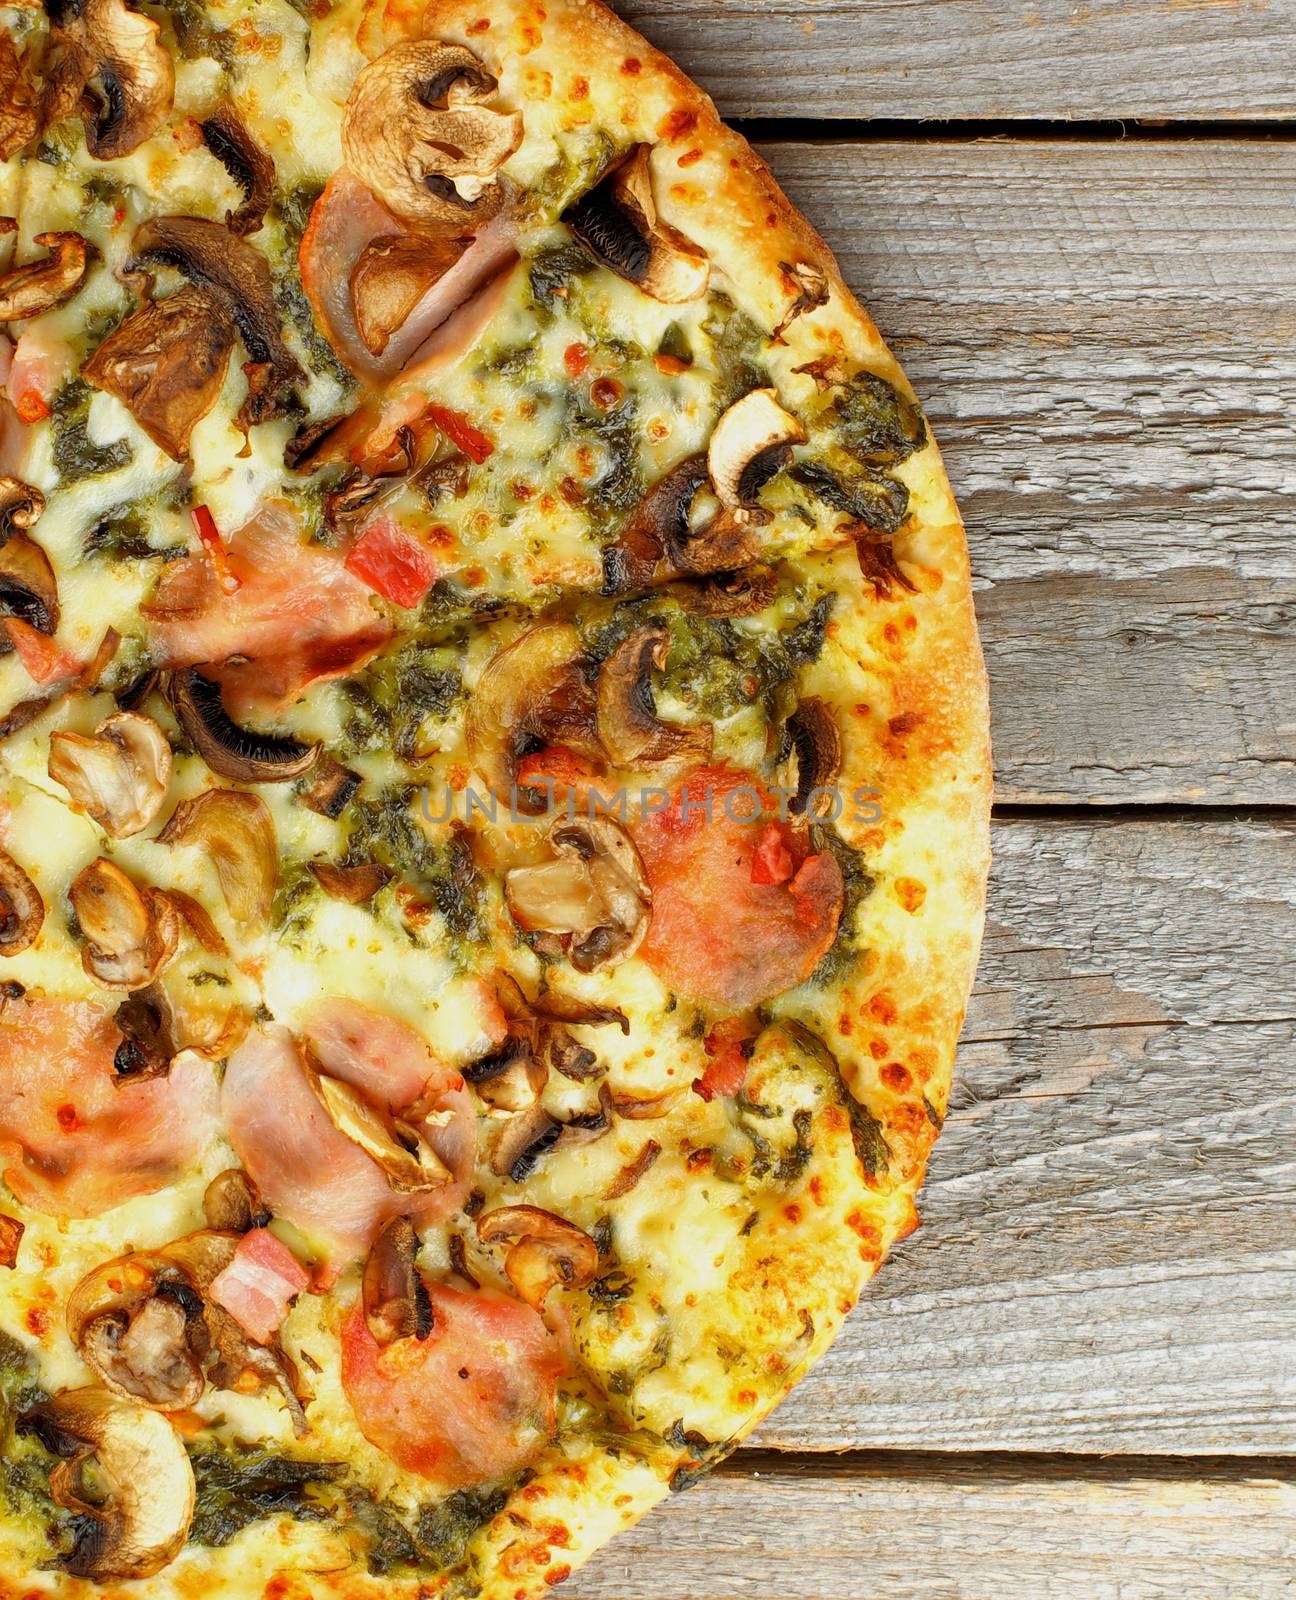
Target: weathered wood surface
{"type": "Point", "coordinates": [983, 1528]}
{"type": "Point", "coordinates": [1104, 338]}
{"type": "Point", "coordinates": [920, 59]}
{"type": "Point", "coordinates": [1107, 1260]}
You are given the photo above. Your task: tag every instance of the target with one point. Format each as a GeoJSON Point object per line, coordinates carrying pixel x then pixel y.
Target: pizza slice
{"type": "Point", "coordinates": [493, 794]}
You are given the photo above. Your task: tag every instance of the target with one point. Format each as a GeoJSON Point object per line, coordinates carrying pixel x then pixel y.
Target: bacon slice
{"type": "Point", "coordinates": [471, 1403]}
{"type": "Point", "coordinates": [296, 616]}
{"type": "Point", "coordinates": [260, 1283]}
{"type": "Point", "coordinates": [718, 932]}
{"type": "Point", "coordinates": [310, 1173]}
{"type": "Point", "coordinates": [76, 1140]}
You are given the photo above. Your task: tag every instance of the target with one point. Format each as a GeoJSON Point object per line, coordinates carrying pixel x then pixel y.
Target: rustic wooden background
{"type": "Point", "coordinates": [1076, 224]}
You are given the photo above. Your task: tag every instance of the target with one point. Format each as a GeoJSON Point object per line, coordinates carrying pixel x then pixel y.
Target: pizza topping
{"type": "Point", "coordinates": [673, 532]}
{"type": "Point", "coordinates": [731, 594]}
{"type": "Point", "coordinates": [395, 1300]}
{"type": "Point", "coordinates": [393, 563]}
{"type": "Point", "coordinates": [11, 1232]}
{"type": "Point", "coordinates": [510, 1078]}
{"type": "Point", "coordinates": [20, 110]}
{"type": "Point", "coordinates": [119, 775]}
{"type": "Point", "coordinates": [226, 136]}
{"type": "Point", "coordinates": [399, 1147]}
{"type": "Point", "coordinates": [28, 587]}
{"type": "Point", "coordinates": [628, 725]}
{"type": "Point", "coordinates": [118, 55]}
{"type": "Point", "coordinates": [717, 932]}
{"type": "Point", "coordinates": [817, 741]}
{"type": "Point", "coordinates": [392, 275]}
{"type": "Point", "coordinates": [260, 1284]}
{"type": "Point", "coordinates": [750, 443]}
{"type": "Point", "coordinates": [236, 279]}
{"type": "Point", "coordinates": [130, 933]}
{"type": "Point", "coordinates": [321, 1178]}
{"type": "Point", "coordinates": [130, 1321]}
{"type": "Point", "coordinates": [534, 689]}
{"type": "Point", "coordinates": [808, 286]}
{"type": "Point", "coordinates": [20, 507]}
{"type": "Point", "coordinates": [728, 1047]}
{"type": "Point", "coordinates": [39, 286]}
{"type": "Point", "coordinates": [22, 911]}
{"type": "Point", "coordinates": [547, 1251]}
{"type": "Point", "coordinates": [617, 221]}
{"type": "Point", "coordinates": [594, 890]}
{"type": "Point", "coordinates": [228, 749]}
{"type": "Point", "coordinates": [237, 835]}
{"type": "Point", "coordinates": [146, 1020]}
{"type": "Point", "coordinates": [166, 364]}
{"type": "Point", "coordinates": [232, 1202]}
{"type": "Point", "coordinates": [331, 788]}
{"type": "Point", "coordinates": [472, 1402]}
{"type": "Point", "coordinates": [353, 884]}
{"type": "Point", "coordinates": [134, 1508]}
{"type": "Point", "coordinates": [417, 131]}
{"type": "Point", "coordinates": [524, 1140]}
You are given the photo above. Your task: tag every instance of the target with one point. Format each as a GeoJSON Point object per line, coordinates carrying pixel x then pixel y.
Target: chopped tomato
{"type": "Point", "coordinates": [392, 562]}
{"type": "Point", "coordinates": [717, 932]}
{"type": "Point", "coordinates": [576, 359]}
{"type": "Point", "coordinates": [772, 860]}
{"type": "Point", "coordinates": [726, 1069]}
{"type": "Point", "coordinates": [556, 771]}
{"type": "Point", "coordinates": [461, 433]}
{"type": "Point", "coordinates": [471, 1403]}
{"type": "Point", "coordinates": [262, 1280]}
{"type": "Point", "coordinates": [31, 407]}
{"type": "Point", "coordinates": [40, 655]}
{"type": "Point", "coordinates": [209, 535]}
{"type": "Point", "coordinates": [606, 393]}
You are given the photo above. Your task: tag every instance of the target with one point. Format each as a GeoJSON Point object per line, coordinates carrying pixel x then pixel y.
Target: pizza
{"type": "Point", "coordinates": [493, 794]}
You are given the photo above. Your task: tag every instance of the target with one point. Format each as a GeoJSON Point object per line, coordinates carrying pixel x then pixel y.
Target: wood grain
{"type": "Point", "coordinates": [1103, 337]}
{"type": "Point", "coordinates": [980, 1528]}
{"type": "Point", "coordinates": [1107, 1260]}
{"type": "Point", "coordinates": [919, 59]}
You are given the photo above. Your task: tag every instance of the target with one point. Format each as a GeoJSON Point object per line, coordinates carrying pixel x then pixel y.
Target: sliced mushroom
{"type": "Point", "coordinates": [28, 587]}
{"type": "Point", "coordinates": [355, 884]}
{"type": "Point", "coordinates": [133, 1319]}
{"type": "Point", "coordinates": [88, 677]}
{"type": "Point", "coordinates": [594, 889]}
{"type": "Point", "coordinates": [236, 275]}
{"type": "Point", "coordinates": [672, 533]}
{"type": "Point", "coordinates": [418, 132]}
{"type": "Point", "coordinates": [226, 136]}
{"type": "Point", "coordinates": [149, 1044]}
{"type": "Point", "coordinates": [119, 55]}
{"type": "Point", "coordinates": [631, 1173]}
{"type": "Point", "coordinates": [391, 277]}
{"type": "Point", "coordinates": [228, 749]}
{"type": "Point", "coordinates": [166, 364]}
{"type": "Point", "coordinates": [523, 1142]}
{"type": "Point", "coordinates": [731, 594]}
{"type": "Point", "coordinates": [567, 1008]}
{"type": "Point", "coordinates": [11, 1232]}
{"type": "Point", "coordinates": [137, 1517]}
{"type": "Point", "coordinates": [550, 1252]}
{"type": "Point", "coordinates": [817, 741]}
{"type": "Point", "coordinates": [119, 775]}
{"type": "Point", "coordinates": [510, 1078]}
{"type": "Point", "coordinates": [400, 1148]}
{"type": "Point", "coordinates": [237, 834]}
{"type": "Point", "coordinates": [130, 933]}
{"type": "Point", "coordinates": [533, 692]}
{"type": "Point", "coordinates": [20, 507]}
{"type": "Point", "coordinates": [232, 1203]}
{"type": "Point", "coordinates": [808, 286]}
{"type": "Point", "coordinates": [628, 726]}
{"type": "Point", "coordinates": [617, 221]}
{"type": "Point", "coordinates": [395, 1300]}
{"type": "Point", "coordinates": [331, 788]}
{"type": "Point", "coordinates": [645, 1108]}
{"type": "Point", "coordinates": [750, 443]}
{"type": "Point", "coordinates": [20, 110]}
{"type": "Point", "coordinates": [39, 286]}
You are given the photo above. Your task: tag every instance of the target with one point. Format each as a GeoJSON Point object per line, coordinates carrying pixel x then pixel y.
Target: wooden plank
{"type": "Point", "coordinates": [918, 59]}
{"type": "Point", "coordinates": [1107, 1260]}
{"type": "Point", "coordinates": [1102, 335]}
{"type": "Point", "coordinates": [983, 1528]}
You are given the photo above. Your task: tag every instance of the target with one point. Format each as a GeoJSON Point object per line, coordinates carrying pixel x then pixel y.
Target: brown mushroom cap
{"type": "Point", "coordinates": [226, 136]}
{"type": "Point", "coordinates": [391, 276]}
{"type": "Point", "coordinates": [237, 834]}
{"type": "Point", "coordinates": [20, 507]}
{"type": "Point", "coordinates": [20, 110]}
{"type": "Point", "coordinates": [119, 775]}
{"type": "Point", "coordinates": [166, 364]}
{"type": "Point", "coordinates": [817, 741]}
{"type": "Point", "coordinates": [130, 1319]}
{"type": "Point", "coordinates": [510, 1078]}
{"type": "Point", "coordinates": [665, 538]}
{"type": "Point", "coordinates": [22, 911]}
{"type": "Point", "coordinates": [28, 587]}
{"type": "Point", "coordinates": [141, 1520]}
{"type": "Point", "coordinates": [400, 1148]}
{"type": "Point", "coordinates": [550, 1251]}
{"type": "Point", "coordinates": [39, 286]}
{"type": "Point", "coordinates": [594, 889]}
{"type": "Point", "coordinates": [232, 1203]}
{"type": "Point", "coordinates": [417, 131]}
{"type": "Point", "coordinates": [118, 54]}
{"type": "Point", "coordinates": [228, 749]}
{"type": "Point", "coordinates": [396, 1303]}
{"type": "Point", "coordinates": [752, 440]}
{"type": "Point", "coordinates": [354, 884]}
{"type": "Point", "coordinates": [628, 725]}
{"type": "Point", "coordinates": [617, 221]}
{"type": "Point", "coordinates": [130, 933]}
